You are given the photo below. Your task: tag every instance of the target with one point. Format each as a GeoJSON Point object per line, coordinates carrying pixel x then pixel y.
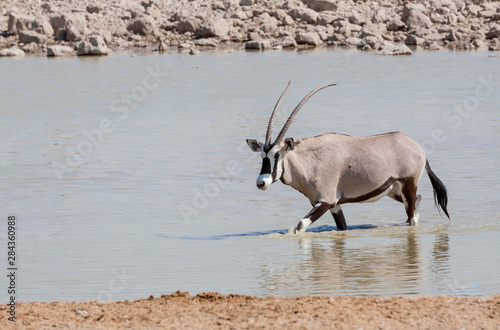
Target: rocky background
{"type": "Point", "coordinates": [69, 27]}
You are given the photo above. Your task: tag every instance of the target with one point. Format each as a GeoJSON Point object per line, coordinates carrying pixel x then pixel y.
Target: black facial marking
{"type": "Point", "coordinates": [275, 172]}
{"type": "Point", "coordinates": [266, 166]}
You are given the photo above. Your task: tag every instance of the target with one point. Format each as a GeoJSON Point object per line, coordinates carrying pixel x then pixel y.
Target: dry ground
{"type": "Point", "coordinates": [213, 310]}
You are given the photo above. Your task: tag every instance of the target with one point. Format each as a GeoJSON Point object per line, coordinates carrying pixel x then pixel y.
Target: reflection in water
{"type": "Point", "coordinates": [441, 254]}
{"type": "Point", "coordinates": [338, 263]}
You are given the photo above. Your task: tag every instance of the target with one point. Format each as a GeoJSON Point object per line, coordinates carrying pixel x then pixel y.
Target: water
{"type": "Point", "coordinates": [130, 176]}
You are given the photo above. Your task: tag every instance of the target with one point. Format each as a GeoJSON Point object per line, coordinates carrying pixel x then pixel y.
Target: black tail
{"type": "Point", "coordinates": [440, 193]}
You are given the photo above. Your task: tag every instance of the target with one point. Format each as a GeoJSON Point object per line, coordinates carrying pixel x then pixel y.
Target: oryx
{"type": "Point", "coordinates": [334, 169]}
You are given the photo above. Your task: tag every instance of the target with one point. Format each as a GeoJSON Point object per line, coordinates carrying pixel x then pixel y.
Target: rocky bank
{"type": "Point", "coordinates": [66, 28]}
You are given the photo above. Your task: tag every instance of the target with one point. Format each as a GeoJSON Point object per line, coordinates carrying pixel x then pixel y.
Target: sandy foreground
{"type": "Point", "coordinates": [213, 310]}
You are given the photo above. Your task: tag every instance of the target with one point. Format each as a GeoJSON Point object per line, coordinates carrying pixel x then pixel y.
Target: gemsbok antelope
{"type": "Point", "coordinates": [334, 169]}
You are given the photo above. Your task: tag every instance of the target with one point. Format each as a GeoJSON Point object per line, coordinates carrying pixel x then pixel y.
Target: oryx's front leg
{"type": "Point", "coordinates": [317, 211]}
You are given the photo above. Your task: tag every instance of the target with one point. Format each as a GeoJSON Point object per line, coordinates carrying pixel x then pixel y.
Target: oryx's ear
{"type": "Point", "coordinates": [289, 144]}
{"type": "Point", "coordinates": [254, 145]}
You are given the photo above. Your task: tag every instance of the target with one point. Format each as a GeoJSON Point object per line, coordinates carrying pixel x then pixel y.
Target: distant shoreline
{"type": "Point", "coordinates": [213, 310]}
{"type": "Point", "coordinates": [386, 27]}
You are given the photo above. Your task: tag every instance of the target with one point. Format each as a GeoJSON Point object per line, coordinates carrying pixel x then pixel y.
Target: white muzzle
{"type": "Point", "coordinates": [264, 181]}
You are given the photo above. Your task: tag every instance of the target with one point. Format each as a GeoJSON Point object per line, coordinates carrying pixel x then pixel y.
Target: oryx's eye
{"type": "Point", "coordinates": [276, 157]}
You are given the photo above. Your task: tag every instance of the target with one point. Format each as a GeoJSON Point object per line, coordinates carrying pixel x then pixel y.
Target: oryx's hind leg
{"type": "Point", "coordinates": [406, 192]}
{"type": "Point", "coordinates": [338, 216]}
{"type": "Point", "coordinates": [317, 211]}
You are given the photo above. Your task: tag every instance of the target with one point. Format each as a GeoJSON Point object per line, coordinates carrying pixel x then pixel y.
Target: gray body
{"type": "Point", "coordinates": [334, 169]}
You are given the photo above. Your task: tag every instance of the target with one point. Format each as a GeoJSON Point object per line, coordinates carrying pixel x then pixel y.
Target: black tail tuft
{"type": "Point", "coordinates": [440, 193]}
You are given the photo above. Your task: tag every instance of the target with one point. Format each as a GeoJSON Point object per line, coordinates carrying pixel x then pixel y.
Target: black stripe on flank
{"type": "Point", "coordinates": [369, 195]}
{"type": "Point", "coordinates": [266, 166]}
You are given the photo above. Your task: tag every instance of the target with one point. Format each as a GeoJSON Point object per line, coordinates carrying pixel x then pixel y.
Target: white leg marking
{"type": "Point", "coordinates": [302, 226]}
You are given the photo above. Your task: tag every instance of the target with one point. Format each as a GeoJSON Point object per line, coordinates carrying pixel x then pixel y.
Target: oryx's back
{"type": "Point", "coordinates": [353, 166]}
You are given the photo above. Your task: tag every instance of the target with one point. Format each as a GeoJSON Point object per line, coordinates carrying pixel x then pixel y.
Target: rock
{"type": "Point", "coordinates": [136, 10]}
{"type": "Point", "coordinates": [92, 45]}
{"type": "Point", "coordinates": [213, 28]}
{"type": "Point", "coordinates": [153, 11]}
{"type": "Point", "coordinates": [240, 14]}
{"type": "Point", "coordinates": [395, 24]}
{"type": "Point", "coordinates": [433, 46]}
{"type": "Point", "coordinates": [11, 52]}
{"type": "Point", "coordinates": [413, 40]}
{"type": "Point", "coordinates": [31, 48]}
{"type": "Point", "coordinates": [93, 8]}
{"type": "Point", "coordinates": [352, 41]}
{"type": "Point", "coordinates": [31, 36]}
{"type": "Point", "coordinates": [19, 22]}
{"type": "Point", "coordinates": [76, 27]}
{"type": "Point", "coordinates": [194, 51]}
{"type": "Point", "coordinates": [269, 26]}
{"type": "Point", "coordinates": [185, 45]}
{"type": "Point", "coordinates": [258, 44]}
{"type": "Point", "coordinates": [310, 38]}
{"type": "Point", "coordinates": [287, 21]}
{"type": "Point", "coordinates": [394, 49]}
{"type": "Point", "coordinates": [325, 18]}
{"type": "Point", "coordinates": [416, 19]}
{"type": "Point", "coordinates": [304, 14]}
{"type": "Point", "coordinates": [206, 42]}
{"type": "Point", "coordinates": [494, 45]}
{"type": "Point", "coordinates": [487, 14]}
{"type": "Point", "coordinates": [372, 41]}
{"type": "Point", "coordinates": [411, 6]}
{"type": "Point", "coordinates": [372, 30]}
{"type": "Point", "coordinates": [494, 32]}
{"type": "Point", "coordinates": [69, 27]}
{"type": "Point", "coordinates": [279, 14]}
{"type": "Point", "coordinates": [58, 50]}
{"type": "Point", "coordinates": [288, 42]}
{"type": "Point", "coordinates": [143, 25]}
{"type": "Point", "coordinates": [188, 25]}
{"type": "Point", "coordinates": [443, 6]}
{"type": "Point", "coordinates": [321, 5]}
{"type": "Point", "coordinates": [356, 18]}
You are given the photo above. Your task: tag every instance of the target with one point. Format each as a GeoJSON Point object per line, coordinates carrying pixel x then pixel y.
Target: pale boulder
{"type": "Point", "coordinates": [92, 45]}
{"type": "Point", "coordinates": [258, 44]}
{"type": "Point", "coordinates": [69, 27]}
{"type": "Point", "coordinates": [417, 19]}
{"type": "Point", "coordinates": [19, 22]}
{"type": "Point", "coordinates": [394, 49]}
{"type": "Point", "coordinates": [144, 25]}
{"type": "Point", "coordinates": [322, 5]}
{"type": "Point", "coordinates": [309, 38]}
{"type": "Point", "coordinates": [190, 24]}
{"type": "Point", "coordinates": [213, 27]}
{"type": "Point", "coordinates": [28, 36]}
{"type": "Point", "coordinates": [11, 52]}
{"type": "Point", "coordinates": [59, 50]}
{"type": "Point", "coordinates": [304, 14]}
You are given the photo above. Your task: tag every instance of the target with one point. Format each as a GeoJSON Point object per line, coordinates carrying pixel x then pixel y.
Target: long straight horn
{"type": "Point", "coordinates": [294, 112]}
{"type": "Point", "coordinates": [271, 120]}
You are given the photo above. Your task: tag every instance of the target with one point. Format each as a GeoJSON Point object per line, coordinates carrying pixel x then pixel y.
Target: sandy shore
{"type": "Point", "coordinates": [213, 310]}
